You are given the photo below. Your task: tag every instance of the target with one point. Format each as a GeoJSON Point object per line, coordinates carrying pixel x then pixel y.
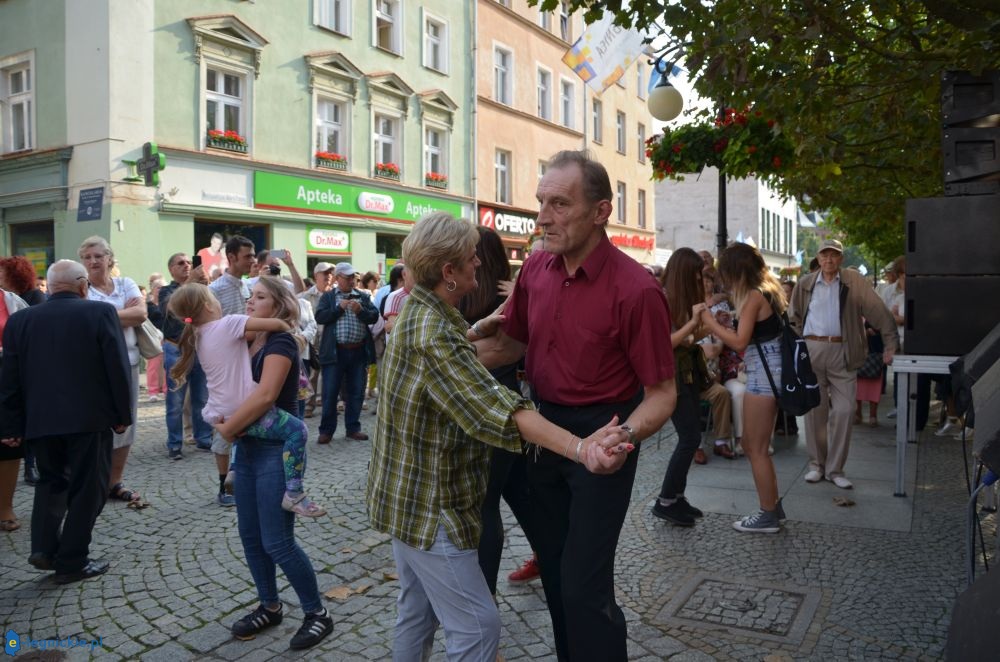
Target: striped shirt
{"type": "Point", "coordinates": [439, 409]}
{"type": "Point", "coordinates": [232, 293]}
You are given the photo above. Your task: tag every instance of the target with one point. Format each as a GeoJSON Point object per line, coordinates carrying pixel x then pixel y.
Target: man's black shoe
{"type": "Point", "coordinates": [92, 569]}
{"type": "Point", "coordinates": [41, 561]}
{"type": "Point", "coordinates": [686, 507]}
{"type": "Point", "coordinates": [31, 475]}
{"type": "Point", "coordinates": [675, 513]}
{"type": "Point", "coordinates": [175, 454]}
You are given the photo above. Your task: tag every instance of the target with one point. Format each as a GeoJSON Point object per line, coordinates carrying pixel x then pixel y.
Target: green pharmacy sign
{"type": "Point", "coordinates": [317, 196]}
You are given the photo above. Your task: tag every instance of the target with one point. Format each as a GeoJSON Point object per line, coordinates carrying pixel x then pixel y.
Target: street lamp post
{"type": "Point", "coordinates": [665, 104]}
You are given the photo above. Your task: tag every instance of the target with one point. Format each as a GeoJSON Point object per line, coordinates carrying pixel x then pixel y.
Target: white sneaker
{"type": "Point", "coordinates": [813, 476]}
{"type": "Point", "coordinates": [969, 433]}
{"type": "Point", "coordinates": [950, 427]}
{"type": "Point", "coordinates": [842, 482]}
{"type": "Point", "coordinates": [891, 414]}
{"type": "Point", "coordinates": [154, 398]}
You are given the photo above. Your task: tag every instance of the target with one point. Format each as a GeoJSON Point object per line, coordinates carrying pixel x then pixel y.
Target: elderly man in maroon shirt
{"type": "Point", "coordinates": [594, 329]}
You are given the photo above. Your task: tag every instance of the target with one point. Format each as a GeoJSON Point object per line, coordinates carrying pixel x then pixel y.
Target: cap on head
{"type": "Point", "coordinates": [831, 244]}
{"type": "Point", "coordinates": [343, 269]}
{"type": "Point", "coordinates": [322, 267]}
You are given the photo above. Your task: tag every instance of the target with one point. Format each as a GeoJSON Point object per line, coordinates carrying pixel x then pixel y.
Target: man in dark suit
{"type": "Point", "coordinates": [64, 388]}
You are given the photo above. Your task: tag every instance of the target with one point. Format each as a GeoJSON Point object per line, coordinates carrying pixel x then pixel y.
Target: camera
{"type": "Point", "coordinates": [353, 295]}
{"type": "Point", "coordinates": [273, 269]}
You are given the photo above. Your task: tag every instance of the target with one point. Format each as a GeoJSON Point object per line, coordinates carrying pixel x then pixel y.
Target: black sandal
{"type": "Point", "coordinates": [119, 493]}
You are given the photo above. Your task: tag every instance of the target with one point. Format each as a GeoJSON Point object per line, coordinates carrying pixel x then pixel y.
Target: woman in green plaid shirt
{"type": "Point", "coordinates": [441, 413]}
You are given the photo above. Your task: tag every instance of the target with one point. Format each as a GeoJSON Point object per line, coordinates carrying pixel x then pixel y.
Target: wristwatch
{"type": "Point", "coordinates": [627, 429]}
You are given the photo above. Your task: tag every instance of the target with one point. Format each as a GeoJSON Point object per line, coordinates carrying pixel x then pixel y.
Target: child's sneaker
{"type": "Point", "coordinates": [302, 505]}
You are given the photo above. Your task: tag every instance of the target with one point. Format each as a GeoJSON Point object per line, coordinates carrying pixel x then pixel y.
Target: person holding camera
{"type": "Point", "coordinates": [268, 265]}
{"type": "Point", "coordinates": [345, 351]}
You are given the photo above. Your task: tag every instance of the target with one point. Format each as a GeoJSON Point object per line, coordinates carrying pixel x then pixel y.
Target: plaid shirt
{"type": "Point", "coordinates": [440, 409]}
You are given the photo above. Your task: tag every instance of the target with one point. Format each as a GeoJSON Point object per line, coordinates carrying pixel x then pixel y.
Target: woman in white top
{"type": "Point", "coordinates": [97, 257]}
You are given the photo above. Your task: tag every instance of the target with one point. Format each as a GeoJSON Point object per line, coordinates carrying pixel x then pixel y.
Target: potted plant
{"type": "Point", "coordinates": [387, 170]}
{"type": "Point", "coordinates": [331, 160]}
{"type": "Point", "coordinates": [228, 140]}
{"type": "Point", "coordinates": [436, 180]}
{"type": "Point", "coordinates": [739, 143]}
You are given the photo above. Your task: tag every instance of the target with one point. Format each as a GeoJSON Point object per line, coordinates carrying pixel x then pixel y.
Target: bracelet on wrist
{"type": "Point", "coordinates": [568, 444]}
{"type": "Point", "coordinates": [579, 445]}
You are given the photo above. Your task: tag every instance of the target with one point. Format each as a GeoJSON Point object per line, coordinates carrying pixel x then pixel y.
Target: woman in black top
{"type": "Point", "coordinates": [759, 301]}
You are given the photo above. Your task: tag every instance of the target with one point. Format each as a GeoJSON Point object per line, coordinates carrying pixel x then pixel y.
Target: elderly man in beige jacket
{"type": "Point", "coordinates": [829, 308]}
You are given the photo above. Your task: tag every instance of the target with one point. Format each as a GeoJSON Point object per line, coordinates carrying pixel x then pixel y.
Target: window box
{"type": "Point", "coordinates": [387, 171]}
{"type": "Point", "coordinates": [227, 140]}
{"type": "Point", "coordinates": [436, 180]}
{"type": "Point", "coordinates": [331, 160]}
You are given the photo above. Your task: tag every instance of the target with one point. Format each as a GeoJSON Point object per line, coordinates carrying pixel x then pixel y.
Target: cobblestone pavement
{"type": "Point", "coordinates": [815, 591]}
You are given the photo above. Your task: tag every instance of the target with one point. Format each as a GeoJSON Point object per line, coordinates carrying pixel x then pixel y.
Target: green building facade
{"type": "Point", "coordinates": [326, 127]}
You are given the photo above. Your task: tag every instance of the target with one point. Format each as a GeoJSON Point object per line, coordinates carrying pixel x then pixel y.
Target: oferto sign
{"type": "Point", "coordinates": [318, 196]}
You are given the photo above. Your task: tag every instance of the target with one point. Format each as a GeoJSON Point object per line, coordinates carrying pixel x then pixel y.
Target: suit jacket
{"type": "Point", "coordinates": [65, 370]}
{"type": "Point", "coordinates": [857, 300]}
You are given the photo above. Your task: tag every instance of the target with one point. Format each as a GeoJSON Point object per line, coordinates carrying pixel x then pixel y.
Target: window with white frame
{"type": "Point", "coordinates": [331, 131]}
{"type": "Point", "coordinates": [620, 202]}
{"type": "Point", "coordinates": [544, 94]}
{"type": "Point", "coordinates": [545, 20]}
{"type": "Point", "coordinates": [641, 141]}
{"type": "Point", "coordinates": [17, 97]}
{"type": "Point", "coordinates": [501, 167]}
{"type": "Point", "coordinates": [504, 3]}
{"type": "Point", "coordinates": [597, 115]}
{"type": "Point", "coordinates": [503, 75]}
{"type": "Point", "coordinates": [640, 79]}
{"type": "Point", "coordinates": [334, 15]}
{"type": "Point", "coordinates": [641, 201]}
{"type": "Point", "coordinates": [387, 139]}
{"type": "Point", "coordinates": [565, 21]}
{"type": "Point", "coordinates": [620, 131]}
{"type": "Point", "coordinates": [566, 96]}
{"type": "Point", "coordinates": [543, 167]}
{"type": "Point", "coordinates": [435, 151]}
{"type": "Point", "coordinates": [435, 43]}
{"type": "Point", "coordinates": [224, 100]}
{"type": "Point", "coordinates": [389, 25]}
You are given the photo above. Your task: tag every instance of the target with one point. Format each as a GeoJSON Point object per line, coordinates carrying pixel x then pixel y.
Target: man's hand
{"type": "Point", "coordinates": [13, 442]}
{"type": "Point", "coordinates": [119, 429]}
{"type": "Point", "coordinates": [505, 287]}
{"type": "Point", "coordinates": [351, 305]}
{"type": "Point", "coordinates": [605, 451]}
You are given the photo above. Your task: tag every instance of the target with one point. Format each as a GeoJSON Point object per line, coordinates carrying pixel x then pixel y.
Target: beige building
{"type": "Point", "coordinates": [530, 105]}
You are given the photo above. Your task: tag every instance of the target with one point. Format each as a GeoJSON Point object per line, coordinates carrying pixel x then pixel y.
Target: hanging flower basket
{"type": "Point", "coordinates": [387, 171]}
{"type": "Point", "coordinates": [331, 160]}
{"type": "Point", "coordinates": [742, 144]}
{"type": "Point", "coordinates": [436, 180]}
{"type": "Point", "coordinates": [227, 140]}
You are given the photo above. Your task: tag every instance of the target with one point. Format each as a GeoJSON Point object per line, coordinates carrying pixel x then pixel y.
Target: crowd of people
{"type": "Point", "coordinates": [538, 389]}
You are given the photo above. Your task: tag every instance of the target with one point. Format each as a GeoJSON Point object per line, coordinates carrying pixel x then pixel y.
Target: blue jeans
{"type": "Point", "coordinates": [175, 402]}
{"type": "Point", "coordinates": [266, 530]}
{"type": "Point", "coordinates": [351, 369]}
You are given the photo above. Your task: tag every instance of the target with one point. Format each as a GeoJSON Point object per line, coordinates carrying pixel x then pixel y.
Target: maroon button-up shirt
{"type": "Point", "coordinates": [593, 337]}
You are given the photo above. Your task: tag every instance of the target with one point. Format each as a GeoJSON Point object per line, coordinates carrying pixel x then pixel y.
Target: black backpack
{"type": "Point", "coordinates": [799, 386]}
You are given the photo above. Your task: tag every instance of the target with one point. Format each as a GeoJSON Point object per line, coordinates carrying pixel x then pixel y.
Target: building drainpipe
{"type": "Point", "coordinates": [474, 172]}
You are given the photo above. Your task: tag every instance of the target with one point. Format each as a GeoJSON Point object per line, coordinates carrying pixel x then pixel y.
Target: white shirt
{"type": "Point", "coordinates": [823, 316]}
{"type": "Point", "coordinates": [125, 289]}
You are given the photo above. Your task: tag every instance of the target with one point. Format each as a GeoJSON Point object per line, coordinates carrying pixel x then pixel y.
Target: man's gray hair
{"type": "Point", "coordinates": [65, 275]}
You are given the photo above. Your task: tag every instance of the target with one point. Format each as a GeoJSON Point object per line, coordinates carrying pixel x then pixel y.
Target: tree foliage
{"type": "Point", "coordinates": [854, 84]}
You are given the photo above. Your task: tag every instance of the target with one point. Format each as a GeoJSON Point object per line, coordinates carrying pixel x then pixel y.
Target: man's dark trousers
{"type": "Point", "coordinates": [75, 470]}
{"type": "Point", "coordinates": [582, 513]}
{"type": "Point", "coordinates": [351, 372]}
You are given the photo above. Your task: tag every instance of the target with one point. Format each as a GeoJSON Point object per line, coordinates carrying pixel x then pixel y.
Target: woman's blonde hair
{"type": "Point", "coordinates": [96, 242]}
{"type": "Point", "coordinates": [286, 306]}
{"type": "Point", "coordinates": [742, 269]}
{"type": "Point", "coordinates": [436, 240]}
{"type": "Point", "coordinates": [186, 304]}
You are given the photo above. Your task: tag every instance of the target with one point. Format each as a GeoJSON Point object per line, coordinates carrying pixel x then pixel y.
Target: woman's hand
{"type": "Point", "coordinates": [606, 450]}
{"type": "Point", "coordinates": [489, 325]}
{"type": "Point", "coordinates": [226, 433]}
{"type": "Point", "coordinates": [505, 287]}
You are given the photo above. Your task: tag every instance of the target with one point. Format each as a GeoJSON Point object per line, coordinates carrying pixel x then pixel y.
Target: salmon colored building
{"type": "Point", "coordinates": [530, 105]}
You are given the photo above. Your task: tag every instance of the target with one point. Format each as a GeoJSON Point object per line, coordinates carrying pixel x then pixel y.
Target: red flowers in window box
{"type": "Point", "coordinates": [217, 135]}
{"type": "Point", "coordinates": [387, 170]}
{"type": "Point", "coordinates": [436, 179]}
{"type": "Point", "coordinates": [331, 156]}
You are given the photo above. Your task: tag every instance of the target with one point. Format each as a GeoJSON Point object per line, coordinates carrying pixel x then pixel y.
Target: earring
{"type": "Point", "coordinates": [451, 286]}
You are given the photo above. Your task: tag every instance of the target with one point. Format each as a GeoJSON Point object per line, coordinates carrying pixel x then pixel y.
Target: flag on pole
{"type": "Point", "coordinates": [603, 52]}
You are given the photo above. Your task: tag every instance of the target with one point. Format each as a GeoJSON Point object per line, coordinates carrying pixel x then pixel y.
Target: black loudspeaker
{"type": "Point", "coordinates": [949, 315]}
{"type": "Point", "coordinates": [966, 371]}
{"type": "Point", "coordinates": [954, 236]}
{"type": "Point", "coordinates": [974, 618]}
{"type": "Point", "coordinates": [970, 139]}
{"type": "Point", "coordinates": [986, 401]}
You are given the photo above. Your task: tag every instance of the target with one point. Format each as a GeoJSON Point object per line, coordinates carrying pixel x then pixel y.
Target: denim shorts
{"type": "Point", "coordinates": [757, 381]}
